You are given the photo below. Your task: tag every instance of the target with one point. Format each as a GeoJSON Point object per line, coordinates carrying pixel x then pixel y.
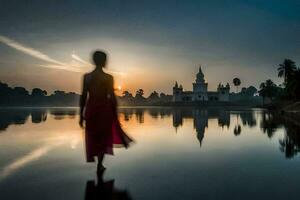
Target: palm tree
{"type": "Point", "coordinates": [286, 69]}
{"type": "Point", "coordinates": [267, 89]}
{"type": "Point", "coordinates": [237, 83]}
{"type": "Point", "coordinates": [262, 91]}
{"type": "Point", "coordinates": [293, 85]}
{"type": "Point", "coordinates": [139, 92]}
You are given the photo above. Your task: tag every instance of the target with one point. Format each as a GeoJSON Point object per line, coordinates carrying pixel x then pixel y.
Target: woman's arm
{"type": "Point", "coordinates": [83, 98]}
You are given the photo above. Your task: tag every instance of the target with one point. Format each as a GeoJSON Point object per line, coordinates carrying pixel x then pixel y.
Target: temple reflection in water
{"type": "Point", "coordinates": [200, 118]}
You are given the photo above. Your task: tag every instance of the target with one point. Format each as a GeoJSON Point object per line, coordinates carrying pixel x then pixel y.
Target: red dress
{"type": "Point", "coordinates": [103, 129]}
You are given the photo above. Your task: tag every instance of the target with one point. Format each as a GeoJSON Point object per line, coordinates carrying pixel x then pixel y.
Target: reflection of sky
{"type": "Point", "coordinates": [160, 39]}
{"type": "Point", "coordinates": [23, 161]}
{"type": "Point", "coordinates": [36, 143]}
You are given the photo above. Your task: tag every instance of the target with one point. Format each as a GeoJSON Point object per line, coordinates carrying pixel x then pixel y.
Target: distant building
{"type": "Point", "coordinates": [200, 92]}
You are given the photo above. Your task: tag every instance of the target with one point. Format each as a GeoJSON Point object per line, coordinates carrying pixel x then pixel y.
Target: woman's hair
{"type": "Point", "coordinates": [99, 58]}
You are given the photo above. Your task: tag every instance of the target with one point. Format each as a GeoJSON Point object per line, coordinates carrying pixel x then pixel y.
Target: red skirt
{"type": "Point", "coordinates": [103, 131]}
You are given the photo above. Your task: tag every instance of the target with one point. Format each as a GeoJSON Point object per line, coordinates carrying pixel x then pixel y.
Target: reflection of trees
{"type": "Point", "coordinates": [62, 113]}
{"type": "Point", "coordinates": [20, 116]}
{"type": "Point", "coordinates": [224, 119]}
{"type": "Point", "coordinates": [237, 130]}
{"type": "Point", "coordinates": [139, 113]}
{"type": "Point", "coordinates": [38, 116]}
{"type": "Point", "coordinates": [154, 113]}
{"type": "Point", "coordinates": [12, 116]}
{"type": "Point", "coordinates": [165, 112]}
{"type": "Point", "coordinates": [248, 119]}
{"type": "Point", "coordinates": [269, 123]}
{"type": "Point", "coordinates": [290, 144]}
{"type": "Point", "coordinates": [237, 127]}
{"type": "Point", "coordinates": [127, 114]}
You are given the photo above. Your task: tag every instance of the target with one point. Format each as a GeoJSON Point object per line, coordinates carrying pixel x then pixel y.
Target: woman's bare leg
{"type": "Point", "coordinates": [100, 160]}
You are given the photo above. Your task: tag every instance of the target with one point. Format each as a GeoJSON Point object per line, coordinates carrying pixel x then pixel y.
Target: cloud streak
{"type": "Point", "coordinates": [55, 64]}
{"type": "Point", "coordinates": [62, 67]}
{"type": "Point", "coordinates": [80, 66]}
{"type": "Point", "coordinates": [29, 51]}
{"type": "Point", "coordinates": [80, 60]}
{"type": "Point", "coordinates": [77, 58]}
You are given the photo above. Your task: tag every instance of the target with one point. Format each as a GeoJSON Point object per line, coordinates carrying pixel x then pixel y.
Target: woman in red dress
{"type": "Point", "coordinates": [98, 108]}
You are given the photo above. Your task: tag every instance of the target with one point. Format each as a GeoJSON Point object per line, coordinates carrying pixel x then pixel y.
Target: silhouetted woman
{"type": "Point", "coordinates": [98, 108]}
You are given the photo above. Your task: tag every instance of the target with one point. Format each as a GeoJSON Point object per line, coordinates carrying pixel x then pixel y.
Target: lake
{"type": "Point", "coordinates": [179, 153]}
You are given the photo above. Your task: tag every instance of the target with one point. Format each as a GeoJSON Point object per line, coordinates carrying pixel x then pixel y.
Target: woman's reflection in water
{"type": "Point", "coordinates": [104, 190]}
{"type": "Point", "coordinates": [98, 108]}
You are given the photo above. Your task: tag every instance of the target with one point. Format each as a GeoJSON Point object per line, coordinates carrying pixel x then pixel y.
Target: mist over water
{"type": "Point", "coordinates": [179, 153]}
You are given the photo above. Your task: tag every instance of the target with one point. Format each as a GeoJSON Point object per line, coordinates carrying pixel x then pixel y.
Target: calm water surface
{"type": "Point", "coordinates": [178, 154]}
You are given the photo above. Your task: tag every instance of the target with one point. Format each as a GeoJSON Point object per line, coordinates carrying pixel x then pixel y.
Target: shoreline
{"type": "Point", "coordinates": [226, 107]}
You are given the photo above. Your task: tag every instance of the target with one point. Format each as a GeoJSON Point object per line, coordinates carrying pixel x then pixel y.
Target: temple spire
{"type": "Point", "coordinates": [200, 76]}
{"type": "Point", "coordinates": [176, 84]}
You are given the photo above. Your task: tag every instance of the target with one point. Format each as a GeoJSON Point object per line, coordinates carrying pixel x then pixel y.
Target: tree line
{"type": "Point", "coordinates": [154, 98]}
{"type": "Point", "coordinates": [19, 96]}
{"type": "Point", "coordinates": [289, 90]}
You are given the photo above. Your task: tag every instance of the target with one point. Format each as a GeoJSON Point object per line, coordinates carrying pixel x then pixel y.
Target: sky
{"type": "Point", "coordinates": [150, 44]}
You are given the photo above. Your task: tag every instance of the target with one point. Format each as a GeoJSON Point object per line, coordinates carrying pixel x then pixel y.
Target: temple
{"type": "Point", "coordinates": [200, 92]}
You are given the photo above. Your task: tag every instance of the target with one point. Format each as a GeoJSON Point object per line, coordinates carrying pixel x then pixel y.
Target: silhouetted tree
{"type": "Point", "coordinates": [4, 89]}
{"type": "Point", "coordinates": [268, 89]}
{"type": "Point", "coordinates": [153, 96]}
{"type": "Point", "coordinates": [37, 92]}
{"type": "Point", "coordinates": [5, 93]}
{"type": "Point", "coordinates": [19, 96]}
{"type": "Point", "coordinates": [38, 96]}
{"type": "Point", "coordinates": [286, 69]}
{"type": "Point", "coordinates": [250, 91]}
{"type": "Point", "coordinates": [21, 91]}
{"type": "Point", "coordinates": [243, 90]}
{"type": "Point", "coordinates": [162, 95]}
{"type": "Point", "coordinates": [59, 93]}
{"type": "Point", "coordinates": [126, 98]}
{"type": "Point", "coordinates": [139, 93]}
{"type": "Point", "coordinates": [127, 94]}
{"type": "Point", "coordinates": [237, 83]}
{"type": "Point", "coordinates": [165, 98]}
{"type": "Point", "coordinates": [139, 97]}
{"type": "Point", "coordinates": [292, 87]}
